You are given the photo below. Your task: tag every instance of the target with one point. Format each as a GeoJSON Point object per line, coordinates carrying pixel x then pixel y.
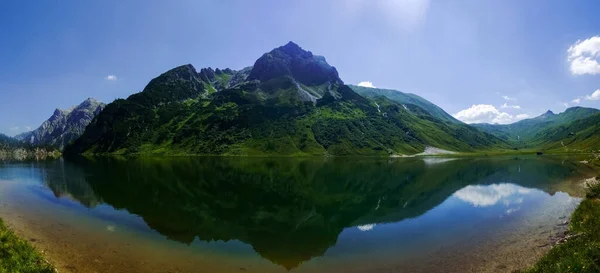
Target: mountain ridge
{"type": "Point", "coordinates": [523, 132]}
{"type": "Point", "coordinates": [64, 126]}
{"type": "Point", "coordinates": [290, 102]}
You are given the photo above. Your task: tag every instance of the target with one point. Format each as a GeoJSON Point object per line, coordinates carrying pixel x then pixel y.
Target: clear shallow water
{"type": "Point", "coordinates": [302, 215]}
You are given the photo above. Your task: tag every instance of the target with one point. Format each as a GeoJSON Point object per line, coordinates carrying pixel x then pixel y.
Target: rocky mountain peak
{"type": "Point", "coordinates": [547, 114]}
{"type": "Point", "coordinates": [89, 103]}
{"type": "Point", "coordinates": [184, 72]}
{"type": "Point", "coordinates": [207, 74]}
{"type": "Point", "coordinates": [293, 61]}
{"type": "Point", "coordinates": [64, 126]}
{"type": "Point", "coordinates": [293, 49]}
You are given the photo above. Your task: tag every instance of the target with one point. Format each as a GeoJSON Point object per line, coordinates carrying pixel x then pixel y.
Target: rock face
{"type": "Point", "coordinates": [64, 126]}
{"type": "Point", "coordinates": [291, 60]}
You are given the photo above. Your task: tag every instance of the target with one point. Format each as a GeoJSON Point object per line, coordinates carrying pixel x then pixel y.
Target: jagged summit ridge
{"type": "Point", "coordinates": [64, 126]}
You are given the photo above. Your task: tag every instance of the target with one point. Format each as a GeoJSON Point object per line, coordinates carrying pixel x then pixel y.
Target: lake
{"type": "Point", "coordinates": [213, 214]}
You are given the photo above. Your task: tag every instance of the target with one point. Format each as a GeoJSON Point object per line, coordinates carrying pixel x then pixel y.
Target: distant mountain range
{"type": "Point", "coordinates": [577, 128]}
{"type": "Point", "coordinates": [64, 126]}
{"type": "Point", "coordinates": [290, 102]}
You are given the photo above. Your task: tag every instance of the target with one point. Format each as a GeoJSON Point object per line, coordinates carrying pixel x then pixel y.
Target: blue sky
{"type": "Point", "coordinates": [462, 55]}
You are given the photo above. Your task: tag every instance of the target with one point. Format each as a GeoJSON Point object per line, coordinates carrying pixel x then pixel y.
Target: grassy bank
{"type": "Point", "coordinates": [581, 251]}
{"type": "Point", "coordinates": [18, 256]}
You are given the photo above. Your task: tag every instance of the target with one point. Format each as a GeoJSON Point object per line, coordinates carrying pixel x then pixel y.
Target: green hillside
{"type": "Point", "coordinates": [533, 132]}
{"type": "Point", "coordinates": [289, 103]}
{"type": "Point", "coordinates": [406, 98]}
{"type": "Point", "coordinates": [582, 135]}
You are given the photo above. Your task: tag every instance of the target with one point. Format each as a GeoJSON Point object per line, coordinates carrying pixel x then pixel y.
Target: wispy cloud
{"type": "Point", "coordinates": [508, 98]}
{"type": "Point", "coordinates": [583, 56]}
{"type": "Point", "coordinates": [505, 105]}
{"type": "Point", "coordinates": [366, 84]}
{"type": "Point", "coordinates": [486, 113]}
{"type": "Point", "coordinates": [111, 78]}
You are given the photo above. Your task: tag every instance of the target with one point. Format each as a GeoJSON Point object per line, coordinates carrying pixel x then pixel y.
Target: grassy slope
{"type": "Point", "coordinates": [17, 255]}
{"type": "Point", "coordinates": [581, 253]}
{"type": "Point", "coordinates": [582, 135]}
{"type": "Point", "coordinates": [341, 128]}
{"type": "Point", "coordinates": [406, 98]}
{"type": "Point", "coordinates": [530, 133]}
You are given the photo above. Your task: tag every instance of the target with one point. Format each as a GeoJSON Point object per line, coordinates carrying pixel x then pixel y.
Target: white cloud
{"type": "Point", "coordinates": [366, 227]}
{"type": "Point", "coordinates": [15, 129]}
{"type": "Point", "coordinates": [594, 96]}
{"type": "Point", "coordinates": [505, 105]}
{"type": "Point", "coordinates": [486, 113]}
{"type": "Point", "coordinates": [366, 84]}
{"type": "Point", "coordinates": [508, 98]}
{"type": "Point", "coordinates": [485, 196]}
{"type": "Point", "coordinates": [111, 78]}
{"type": "Point", "coordinates": [583, 56]}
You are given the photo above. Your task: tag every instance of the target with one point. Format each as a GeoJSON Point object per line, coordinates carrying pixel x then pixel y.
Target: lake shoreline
{"type": "Point", "coordinates": [18, 255]}
{"type": "Point", "coordinates": [578, 248]}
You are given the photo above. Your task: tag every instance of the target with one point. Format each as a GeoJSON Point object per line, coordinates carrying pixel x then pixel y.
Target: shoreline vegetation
{"type": "Point", "coordinates": [579, 249]}
{"type": "Point", "coordinates": [18, 255]}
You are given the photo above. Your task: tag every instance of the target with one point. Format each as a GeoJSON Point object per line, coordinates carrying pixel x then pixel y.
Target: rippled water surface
{"type": "Point", "coordinates": [299, 215]}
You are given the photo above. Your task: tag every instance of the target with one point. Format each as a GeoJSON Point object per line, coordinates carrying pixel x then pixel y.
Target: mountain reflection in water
{"type": "Point", "coordinates": [291, 210]}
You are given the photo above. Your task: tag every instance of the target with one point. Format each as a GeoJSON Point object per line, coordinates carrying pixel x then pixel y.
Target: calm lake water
{"type": "Point", "coordinates": [299, 215]}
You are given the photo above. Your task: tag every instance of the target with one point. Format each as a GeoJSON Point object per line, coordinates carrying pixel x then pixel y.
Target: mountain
{"type": "Point", "coordinates": [290, 102]}
{"type": "Point", "coordinates": [531, 132]}
{"type": "Point", "coordinates": [581, 135]}
{"type": "Point", "coordinates": [64, 126]}
{"type": "Point", "coordinates": [406, 98]}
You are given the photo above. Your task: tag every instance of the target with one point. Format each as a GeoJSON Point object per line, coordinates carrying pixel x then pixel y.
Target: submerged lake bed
{"type": "Point", "coordinates": [213, 214]}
